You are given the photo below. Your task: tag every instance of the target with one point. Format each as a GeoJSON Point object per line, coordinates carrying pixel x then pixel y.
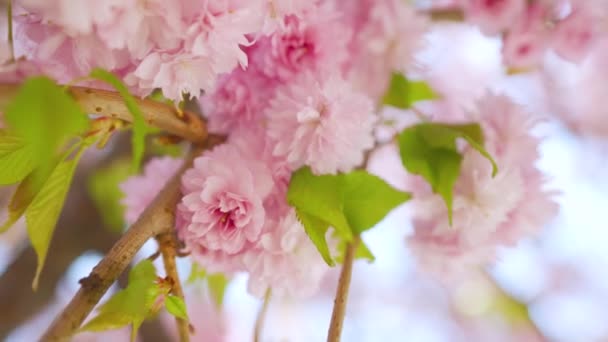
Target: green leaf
{"type": "Point", "coordinates": [403, 93]}
{"type": "Point", "coordinates": [355, 202]}
{"type": "Point", "coordinates": [316, 230]}
{"type": "Point", "coordinates": [103, 186]}
{"type": "Point", "coordinates": [176, 307]}
{"type": "Point", "coordinates": [44, 116]}
{"type": "Point", "coordinates": [430, 150]}
{"type": "Point", "coordinates": [139, 125]}
{"type": "Point", "coordinates": [196, 273]}
{"type": "Point", "coordinates": [217, 287]}
{"type": "Point", "coordinates": [319, 196]}
{"type": "Point", "coordinates": [367, 200]}
{"type": "Point", "coordinates": [362, 252]}
{"type": "Point", "coordinates": [25, 193]}
{"type": "Point", "coordinates": [16, 159]}
{"type": "Point", "coordinates": [43, 212]}
{"type": "Point", "coordinates": [131, 305]}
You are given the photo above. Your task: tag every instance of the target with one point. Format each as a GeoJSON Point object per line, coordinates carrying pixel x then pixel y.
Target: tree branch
{"type": "Point", "coordinates": [189, 126]}
{"type": "Point", "coordinates": [158, 218]}
{"type": "Point", "coordinates": [168, 245]}
{"type": "Point", "coordinates": [337, 316]}
{"type": "Point", "coordinates": [9, 19]}
{"type": "Point", "coordinates": [445, 14]}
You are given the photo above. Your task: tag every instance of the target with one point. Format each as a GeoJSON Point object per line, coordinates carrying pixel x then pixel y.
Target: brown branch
{"type": "Point", "coordinates": [79, 213]}
{"type": "Point", "coordinates": [259, 321]}
{"type": "Point", "coordinates": [167, 243]}
{"type": "Point", "coordinates": [156, 219]}
{"type": "Point", "coordinates": [445, 14]}
{"type": "Point", "coordinates": [337, 316]}
{"type": "Point", "coordinates": [109, 103]}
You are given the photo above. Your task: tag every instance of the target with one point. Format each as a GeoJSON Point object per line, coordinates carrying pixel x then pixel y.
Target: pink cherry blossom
{"type": "Point", "coordinates": [387, 35]}
{"type": "Point", "coordinates": [575, 35]}
{"type": "Point", "coordinates": [576, 91]}
{"type": "Point", "coordinates": [286, 261]}
{"type": "Point", "coordinates": [315, 41]}
{"type": "Point", "coordinates": [493, 16]}
{"type": "Point", "coordinates": [488, 212]}
{"type": "Point", "coordinates": [526, 43]}
{"type": "Point", "coordinates": [237, 100]}
{"type": "Point", "coordinates": [322, 123]}
{"type": "Point", "coordinates": [139, 191]}
{"type": "Point", "coordinates": [224, 194]}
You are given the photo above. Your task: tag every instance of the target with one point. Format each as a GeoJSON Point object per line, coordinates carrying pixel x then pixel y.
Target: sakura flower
{"type": "Point", "coordinates": [526, 43]}
{"type": "Point", "coordinates": [493, 16]}
{"type": "Point", "coordinates": [387, 35]}
{"type": "Point", "coordinates": [322, 123]}
{"type": "Point", "coordinates": [139, 191]}
{"type": "Point", "coordinates": [315, 41]}
{"type": "Point", "coordinates": [575, 35]}
{"type": "Point", "coordinates": [488, 212]}
{"type": "Point", "coordinates": [223, 200]}
{"type": "Point", "coordinates": [176, 75]}
{"type": "Point", "coordinates": [237, 100]}
{"type": "Point", "coordinates": [286, 261]}
{"type": "Point", "coordinates": [577, 90]}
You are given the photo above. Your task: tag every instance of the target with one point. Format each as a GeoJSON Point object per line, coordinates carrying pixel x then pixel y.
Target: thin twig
{"type": "Point", "coordinates": [158, 218]}
{"type": "Point", "coordinates": [9, 19]}
{"type": "Point", "coordinates": [167, 243]}
{"type": "Point", "coordinates": [445, 14]}
{"type": "Point", "coordinates": [259, 321]}
{"type": "Point", "coordinates": [109, 103]}
{"type": "Point", "coordinates": [337, 316]}
{"type": "Point", "coordinates": [524, 319]}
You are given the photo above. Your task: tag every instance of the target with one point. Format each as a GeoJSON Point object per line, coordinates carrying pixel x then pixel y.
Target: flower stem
{"type": "Point", "coordinates": [157, 218]}
{"type": "Point", "coordinates": [259, 321]}
{"type": "Point", "coordinates": [168, 248]}
{"type": "Point", "coordinates": [337, 316]}
{"type": "Point", "coordinates": [9, 19]}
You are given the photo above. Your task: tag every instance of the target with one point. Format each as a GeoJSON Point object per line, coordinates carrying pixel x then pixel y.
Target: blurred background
{"type": "Point", "coordinates": [549, 288]}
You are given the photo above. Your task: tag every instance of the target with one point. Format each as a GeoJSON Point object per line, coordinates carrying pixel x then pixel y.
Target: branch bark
{"type": "Point", "coordinates": [168, 245]}
{"type": "Point", "coordinates": [158, 218]}
{"type": "Point", "coordinates": [337, 316]}
{"type": "Point", "coordinates": [187, 125]}
{"type": "Point", "coordinates": [445, 14]}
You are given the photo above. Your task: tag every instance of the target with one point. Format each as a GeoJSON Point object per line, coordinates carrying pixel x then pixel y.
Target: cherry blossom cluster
{"type": "Point", "coordinates": [294, 83]}
{"type": "Point", "coordinates": [306, 98]}
{"type": "Point", "coordinates": [570, 28]}
{"type": "Point", "coordinates": [488, 211]}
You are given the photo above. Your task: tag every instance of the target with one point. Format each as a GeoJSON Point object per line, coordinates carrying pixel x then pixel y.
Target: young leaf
{"type": "Point", "coordinates": [44, 116]}
{"type": "Point", "coordinates": [139, 125]}
{"type": "Point", "coordinates": [367, 199]}
{"type": "Point", "coordinates": [403, 93]}
{"type": "Point", "coordinates": [319, 196]}
{"type": "Point", "coordinates": [42, 214]}
{"type": "Point", "coordinates": [196, 273]}
{"type": "Point", "coordinates": [429, 150]}
{"type": "Point", "coordinates": [316, 230]}
{"type": "Point", "coordinates": [217, 284]}
{"type": "Point", "coordinates": [362, 252]}
{"type": "Point", "coordinates": [356, 201]}
{"type": "Point", "coordinates": [131, 305]}
{"type": "Point", "coordinates": [104, 190]}
{"type": "Point", "coordinates": [16, 160]}
{"type": "Point", "coordinates": [25, 193]}
{"type": "Point", "coordinates": [176, 307]}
